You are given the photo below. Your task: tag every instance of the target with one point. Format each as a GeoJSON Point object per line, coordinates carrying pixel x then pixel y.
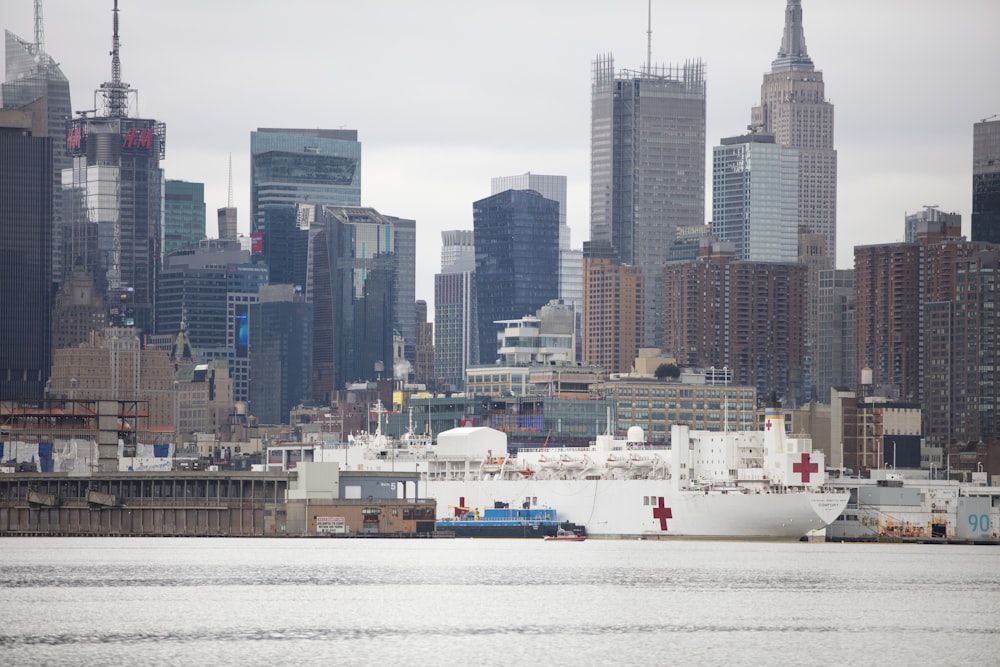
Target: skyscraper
{"type": "Point", "coordinates": [986, 181]}
{"type": "Point", "coordinates": [356, 290]}
{"type": "Point", "coordinates": [517, 260]}
{"type": "Point", "coordinates": [25, 253]}
{"type": "Point", "coordinates": [647, 163]}
{"type": "Point", "coordinates": [30, 74]}
{"type": "Point", "coordinates": [456, 341]}
{"type": "Point", "coordinates": [793, 108]}
{"type": "Point", "coordinates": [550, 187]}
{"type": "Point", "coordinates": [280, 337]}
{"type": "Point", "coordinates": [194, 287]}
{"type": "Point", "coordinates": [226, 217]}
{"type": "Point", "coordinates": [116, 189]}
{"type": "Point", "coordinates": [405, 293]}
{"type": "Point", "coordinates": [570, 261]}
{"type": "Point", "coordinates": [303, 166]}
{"type": "Point", "coordinates": [755, 198]}
{"type": "Point", "coordinates": [835, 362]}
{"type": "Point", "coordinates": [183, 214]}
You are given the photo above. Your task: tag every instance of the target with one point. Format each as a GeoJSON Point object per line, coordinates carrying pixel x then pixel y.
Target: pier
{"type": "Point", "coordinates": [181, 504]}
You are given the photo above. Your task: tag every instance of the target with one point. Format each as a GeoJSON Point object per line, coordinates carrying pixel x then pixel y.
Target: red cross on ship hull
{"type": "Point", "coordinates": [662, 513]}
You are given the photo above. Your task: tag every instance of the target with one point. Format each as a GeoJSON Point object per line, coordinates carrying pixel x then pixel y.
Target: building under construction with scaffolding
{"type": "Point", "coordinates": [81, 437]}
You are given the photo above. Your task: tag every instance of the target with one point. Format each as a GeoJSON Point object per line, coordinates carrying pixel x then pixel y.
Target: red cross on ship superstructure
{"type": "Point", "coordinates": [805, 467]}
{"type": "Point", "coordinates": [662, 513]}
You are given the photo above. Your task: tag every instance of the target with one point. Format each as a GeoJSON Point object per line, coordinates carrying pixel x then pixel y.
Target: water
{"type": "Point", "coordinates": [149, 601]}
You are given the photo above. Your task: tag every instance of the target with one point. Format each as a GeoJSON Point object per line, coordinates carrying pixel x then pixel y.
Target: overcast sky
{"type": "Point", "coordinates": [446, 94]}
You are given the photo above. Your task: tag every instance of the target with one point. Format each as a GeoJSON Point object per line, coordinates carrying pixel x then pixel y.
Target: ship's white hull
{"type": "Point", "coordinates": [650, 508]}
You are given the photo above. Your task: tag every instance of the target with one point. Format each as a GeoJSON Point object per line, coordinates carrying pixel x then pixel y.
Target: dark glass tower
{"type": "Point", "coordinates": [25, 256]}
{"type": "Point", "coordinates": [280, 337]}
{"type": "Point", "coordinates": [517, 260]}
{"type": "Point", "coordinates": [356, 288]}
{"type": "Point", "coordinates": [30, 73]}
{"type": "Point", "coordinates": [986, 181]}
{"type": "Point", "coordinates": [194, 288]}
{"type": "Point", "coordinates": [286, 245]}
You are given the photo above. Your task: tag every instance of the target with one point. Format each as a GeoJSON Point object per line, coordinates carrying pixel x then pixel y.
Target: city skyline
{"type": "Point", "coordinates": [446, 97]}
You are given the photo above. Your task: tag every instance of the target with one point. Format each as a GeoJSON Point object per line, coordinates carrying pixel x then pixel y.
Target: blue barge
{"type": "Point", "coordinates": [502, 521]}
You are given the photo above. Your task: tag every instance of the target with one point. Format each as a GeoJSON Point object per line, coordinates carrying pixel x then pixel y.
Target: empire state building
{"type": "Point", "coordinates": [794, 109]}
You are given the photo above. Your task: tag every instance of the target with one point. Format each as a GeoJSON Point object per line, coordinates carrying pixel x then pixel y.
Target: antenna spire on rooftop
{"type": "Point", "coordinates": [116, 91]}
{"type": "Point", "coordinates": [649, 37]}
{"type": "Point", "coordinates": [230, 205]}
{"type": "Point", "coordinates": [39, 29]}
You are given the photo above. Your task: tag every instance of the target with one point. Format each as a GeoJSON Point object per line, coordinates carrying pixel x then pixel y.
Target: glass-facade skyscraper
{"type": "Point", "coordinates": [570, 261]}
{"type": "Point", "coordinates": [361, 272]}
{"type": "Point", "coordinates": [25, 255]}
{"type": "Point", "coordinates": [280, 336]}
{"type": "Point", "coordinates": [517, 260]}
{"type": "Point", "coordinates": [303, 166]}
{"type": "Point", "coordinates": [549, 186]}
{"type": "Point", "coordinates": [986, 181]}
{"type": "Point", "coordinates": [31, 73]}
{"type": "Point", "coordinates": [755, 198]}
{"type": "Point", "coordinates": [647, 164]}
{"type": "Point", "coordinates": [183, 214]}
{"type": "Point", "coordinates": [194, 286]}
{"type": "Point", "coordinates": [456, 339]}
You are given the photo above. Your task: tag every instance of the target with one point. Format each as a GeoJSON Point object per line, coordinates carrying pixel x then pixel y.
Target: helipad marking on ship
{"type": "Point", "coordinates": [662, 513]}
{"type": "Point", "coordinates": [805, 467]}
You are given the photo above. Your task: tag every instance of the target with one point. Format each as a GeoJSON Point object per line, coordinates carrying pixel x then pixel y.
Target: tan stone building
{"type": "Point", "coordinates": [112, 365]}
{"type": "Point", "coordinates": [79, 310]}
{"type": "Point", "coordinates": [655, 405]}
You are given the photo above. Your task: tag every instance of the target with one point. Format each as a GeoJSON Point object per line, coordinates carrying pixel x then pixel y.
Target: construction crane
{"type": "Point", "coordinates": [986, 120]}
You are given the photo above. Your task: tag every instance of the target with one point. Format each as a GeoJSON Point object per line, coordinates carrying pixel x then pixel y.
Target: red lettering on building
{"type": "Point", "coordinates": [73, 138]}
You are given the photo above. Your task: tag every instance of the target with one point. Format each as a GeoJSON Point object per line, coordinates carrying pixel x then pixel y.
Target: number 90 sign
{"type": "Point", "coordinates": [979, 523]}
